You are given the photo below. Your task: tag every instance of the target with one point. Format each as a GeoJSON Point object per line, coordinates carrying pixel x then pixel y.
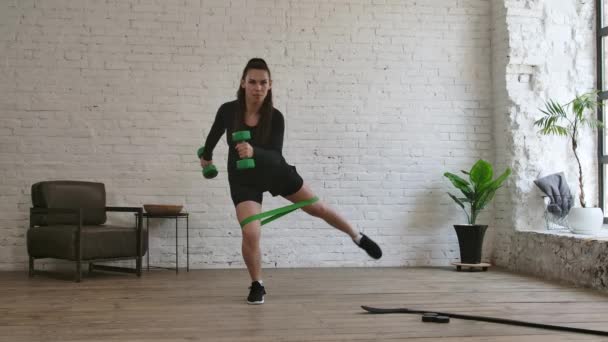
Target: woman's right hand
{"type": "Point", "coordinates": [205, 163]}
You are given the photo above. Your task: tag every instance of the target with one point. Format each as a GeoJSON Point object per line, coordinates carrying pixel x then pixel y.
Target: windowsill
{"type": "Point", "coordinates": [601, 236]}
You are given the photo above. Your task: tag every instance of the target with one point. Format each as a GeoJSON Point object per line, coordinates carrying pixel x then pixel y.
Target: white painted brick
{"type": "Point", "coordinates": [532, 35]}
{"type": "Point", "coordinates": [122, 92]}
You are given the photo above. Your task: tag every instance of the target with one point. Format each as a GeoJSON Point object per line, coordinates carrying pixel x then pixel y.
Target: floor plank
{"type": "Point", "coordinates": [321, 304]}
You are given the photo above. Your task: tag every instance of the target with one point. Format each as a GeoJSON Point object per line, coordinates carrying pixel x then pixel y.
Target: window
{"type": "Point", "coordinates": [602, 73]}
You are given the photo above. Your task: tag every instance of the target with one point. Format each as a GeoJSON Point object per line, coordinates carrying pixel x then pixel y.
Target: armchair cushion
{"type": "Point", "coordinates": [98, 242]}
{"type": "Point", "coordinates": [70, 194]}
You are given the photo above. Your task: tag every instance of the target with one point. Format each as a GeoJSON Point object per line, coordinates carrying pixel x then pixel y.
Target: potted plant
{"type": "Point", "coordinates": [567, 120]}
{"type": "Point", "coordinates": [478, 191]}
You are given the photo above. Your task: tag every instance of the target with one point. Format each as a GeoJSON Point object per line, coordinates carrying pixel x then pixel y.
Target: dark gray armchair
{"type": "Point", "coordinates": [67, 222]}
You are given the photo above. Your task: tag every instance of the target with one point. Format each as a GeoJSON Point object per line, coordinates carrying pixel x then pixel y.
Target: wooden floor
{"type": "Point", "coordinates": [301, 305]}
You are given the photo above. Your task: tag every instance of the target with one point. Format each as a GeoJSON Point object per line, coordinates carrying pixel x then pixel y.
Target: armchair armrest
{"type": "Point", "coordinates": [139, 214]}
{"type": "Point", "coordinates": [138, 223]}
{"type": "Point", "coordinates": [40, 211]}
{"type": "Point", "coordinates": [69, 211]}
{"type": "Point", "coordinates": [126, 209]}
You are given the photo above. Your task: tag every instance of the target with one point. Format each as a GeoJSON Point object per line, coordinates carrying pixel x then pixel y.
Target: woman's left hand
{"type": "Point", "coordinates": [244, 150]}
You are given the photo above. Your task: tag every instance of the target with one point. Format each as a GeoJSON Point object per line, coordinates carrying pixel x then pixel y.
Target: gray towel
{"type": "Point", "coordinates": [556, 188]}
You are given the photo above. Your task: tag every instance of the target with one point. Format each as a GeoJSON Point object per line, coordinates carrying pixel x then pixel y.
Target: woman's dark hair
{"type": "Point", "coordinates": [264, 126]}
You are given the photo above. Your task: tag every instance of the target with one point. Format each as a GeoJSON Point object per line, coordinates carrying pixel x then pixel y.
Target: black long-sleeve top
{"type": "Point", "coordinates": [267, 155]}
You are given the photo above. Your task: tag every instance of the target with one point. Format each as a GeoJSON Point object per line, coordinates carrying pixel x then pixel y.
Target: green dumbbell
{"type": "Point", "coordinates": [238, 137]}
{"type": "Point", "coordinates": [209, 171]}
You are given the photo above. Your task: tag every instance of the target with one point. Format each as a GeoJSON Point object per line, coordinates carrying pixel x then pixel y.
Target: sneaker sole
{"type": "Point", "coordinates": [256, 303]}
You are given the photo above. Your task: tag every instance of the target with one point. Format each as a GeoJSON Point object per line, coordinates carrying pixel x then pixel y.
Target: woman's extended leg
{"type": "Point", "coordinates": [324, 211]}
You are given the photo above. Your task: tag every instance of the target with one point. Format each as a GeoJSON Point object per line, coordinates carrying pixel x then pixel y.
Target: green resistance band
{"type": "Point", "coordinates": [279, 212]}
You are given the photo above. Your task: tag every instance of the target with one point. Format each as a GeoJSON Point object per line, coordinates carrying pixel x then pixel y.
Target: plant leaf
{"type": "Point", "coordinates": [457, 200]}
{"type": "Point", "coordinates": [495, 184]}
{"type": "Point", "coordinates": [594, 123]}
{"type": "Point", "coordinates": [481, 173]}
{"type": "Point", "coordinates": [485, 198]}
{"type": "Point", "coordinates": [460, 183]}
{"type": "Point", "coordinates": [553, 112]}
{"type": "Point", "coordinates": [554, 130]}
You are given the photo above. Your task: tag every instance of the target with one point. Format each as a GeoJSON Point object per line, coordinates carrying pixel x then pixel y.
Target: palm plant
{"type": "Point", "coordinates": [558, 120]}
{"type": "Point", "coordinates": [479, 190]}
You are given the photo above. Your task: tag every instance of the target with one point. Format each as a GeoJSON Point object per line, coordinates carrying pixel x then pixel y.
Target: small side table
{"type": "Point", "coordinates": [185, 215]}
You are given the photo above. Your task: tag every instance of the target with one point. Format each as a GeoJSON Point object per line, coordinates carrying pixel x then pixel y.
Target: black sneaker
{"type": "Point", "coordinates": [370, 247]}
{"type": "Point", "coordinates": [256, 293]}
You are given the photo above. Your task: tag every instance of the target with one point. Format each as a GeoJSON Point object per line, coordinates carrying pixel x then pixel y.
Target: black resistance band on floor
{"type": "Point", "coordinates": [487, 319]}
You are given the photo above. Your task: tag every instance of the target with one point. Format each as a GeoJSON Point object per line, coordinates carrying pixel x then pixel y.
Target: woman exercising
{"type": "Point", "coordinates": [253, 111]}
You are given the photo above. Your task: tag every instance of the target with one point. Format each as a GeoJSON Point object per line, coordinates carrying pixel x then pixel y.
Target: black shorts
{"type": "Point", "coordinates": [250, 185]}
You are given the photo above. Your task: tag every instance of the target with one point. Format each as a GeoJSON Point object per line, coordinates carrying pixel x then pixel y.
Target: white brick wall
{"type": "Point", "coordinates": [380, 99]}
{"type": "Point", "coordinates": [542, 49]}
